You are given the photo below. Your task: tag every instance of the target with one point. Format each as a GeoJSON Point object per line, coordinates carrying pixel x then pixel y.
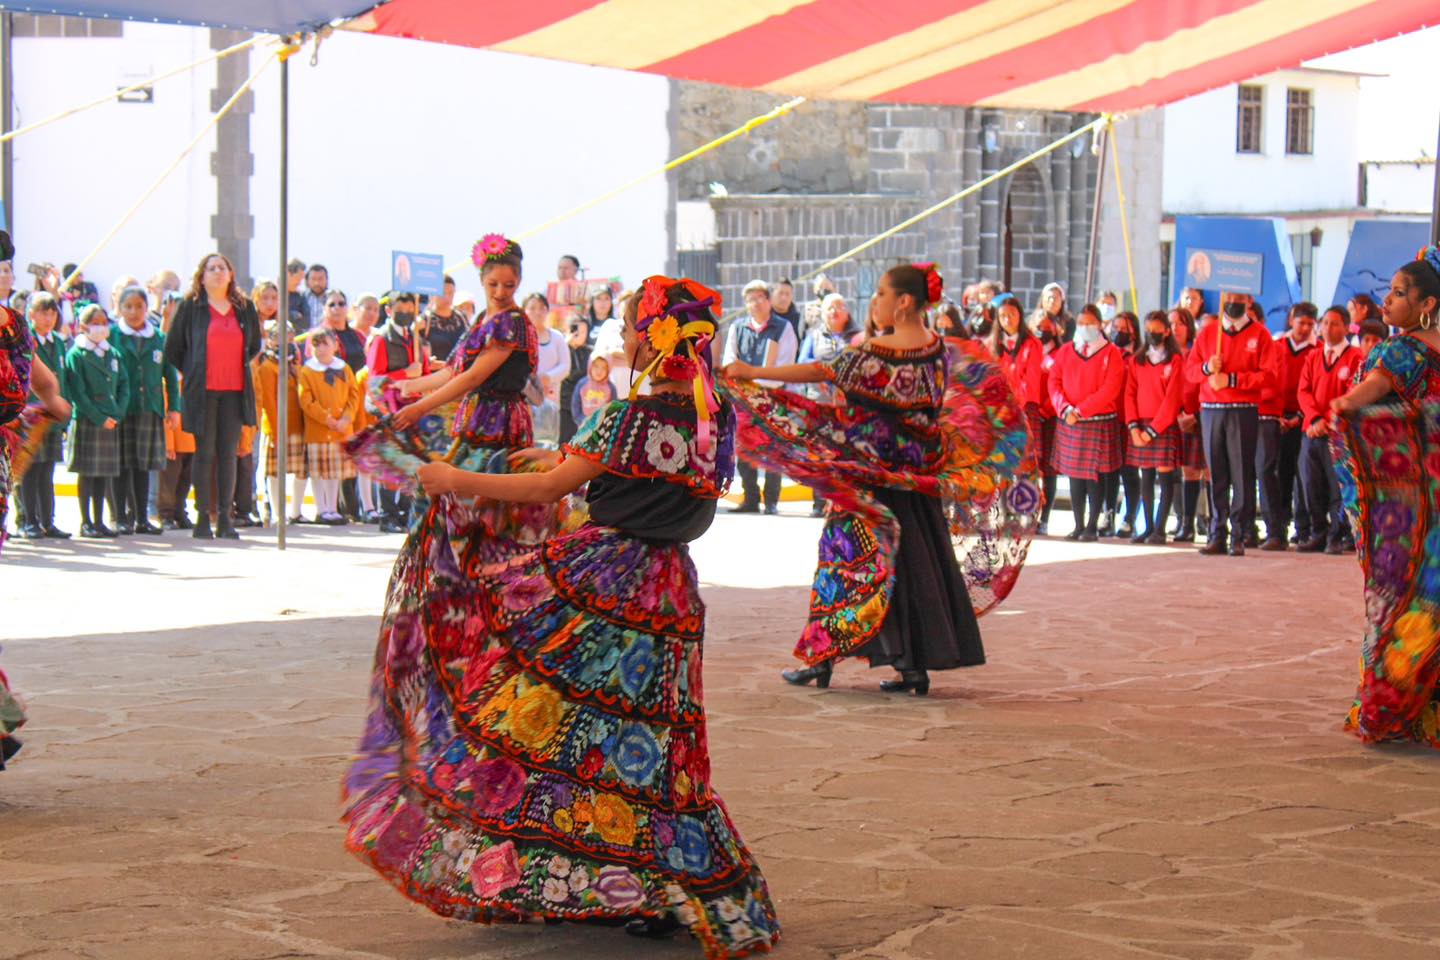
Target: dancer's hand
{"type": "Point", "coordinates": [539, 456]}
{"type": "Point", "coordinates": [1317, 429]}
{"type": "Point", "coordinates": [438, 478]}
{"type": "Point", "coordinates": [1341, 406]}
{"type": "Point", "coordinates": [407, 417]}
{"type": "Point", "coordinates": [739, 370]}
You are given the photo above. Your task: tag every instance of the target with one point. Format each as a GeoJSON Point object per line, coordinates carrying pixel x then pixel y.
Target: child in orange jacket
{"type": "Point", "coordinates": [330, 401]}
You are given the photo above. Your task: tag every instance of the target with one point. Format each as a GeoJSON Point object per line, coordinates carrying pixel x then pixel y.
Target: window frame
{"type": "Point", "coordinates": [1291, 113]}
{"type": "Point", "coordinates": [1248, 112]}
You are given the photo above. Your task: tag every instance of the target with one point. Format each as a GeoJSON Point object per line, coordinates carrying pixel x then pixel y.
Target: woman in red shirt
{"type": "Point", "coordinates": [213, 337]}
{"type": "Point", "coordinates": [1022, 354]}
{"type": "Point", "coordinates": [1154, 398]}
{"type": "Point", "coordinates": [1086, 385]}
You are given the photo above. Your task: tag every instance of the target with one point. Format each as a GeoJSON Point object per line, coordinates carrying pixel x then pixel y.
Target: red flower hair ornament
{"type": "Point", "coordinates": [934, 283]}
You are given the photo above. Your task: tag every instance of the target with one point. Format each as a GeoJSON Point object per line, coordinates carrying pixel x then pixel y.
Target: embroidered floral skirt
{"type": "Point", "coordinates": [536, 740]}
{"type": "Point", "coordinates": [12, 718]}
{"type": "Point", "coordinates": [984, 478]}
{"type": "Point", "coordinates": [21, 441]}
{"type": "Point", "coordinates": [1388, 463]}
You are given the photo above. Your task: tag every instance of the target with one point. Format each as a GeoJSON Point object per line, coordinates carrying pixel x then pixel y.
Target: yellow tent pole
{"type": "Point", "coordinates": [229, 104]}
{"type": "Point", "coordinates": [679, 161]}
{"type": "Point", "coordinates": [110, 97]}
{"type": "Point", "coordinates": [1124, 218]}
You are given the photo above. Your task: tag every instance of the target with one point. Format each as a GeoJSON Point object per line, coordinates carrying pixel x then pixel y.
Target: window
{"type": "Point", "coordinates": [1248, 119]}
{"type": "Point", "coordinates": [1166, 252]}
{"type": "Point", "coordinates": [1302, 245]}
{"type": "Point", "coordinates": [1299, 122]}
{"type": "Point", "coordinates": [32, 25]}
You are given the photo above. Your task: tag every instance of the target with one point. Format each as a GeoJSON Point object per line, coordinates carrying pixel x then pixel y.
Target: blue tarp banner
{"type": "Point", "coordinates": [1249, 249]}
{"type": "Point", "coordinates": [256, 16]}
{"type": "Point", "coordinates": [417, 272]}
{"type": "Point", "coordinates": [1377, 249]}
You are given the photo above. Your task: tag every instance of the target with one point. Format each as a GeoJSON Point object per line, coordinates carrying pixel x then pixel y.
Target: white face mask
{"type": "Point", "coordinates": [97, 334]}
{"type": "Point", "coordinates": [1087, 334]}
{"type": "Point", "coordinates": [1108, 311]}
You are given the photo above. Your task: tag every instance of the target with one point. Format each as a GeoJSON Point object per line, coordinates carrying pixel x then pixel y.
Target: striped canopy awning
{"type": "Point", "coordinates": [1077, 55]}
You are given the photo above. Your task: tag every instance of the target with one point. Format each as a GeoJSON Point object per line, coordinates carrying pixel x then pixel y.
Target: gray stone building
{"type": "Point", "coordinates": [807, 187]}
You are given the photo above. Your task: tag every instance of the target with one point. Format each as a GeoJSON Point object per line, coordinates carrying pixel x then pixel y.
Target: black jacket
{"type": "Point", "coordinates": [185, 349]}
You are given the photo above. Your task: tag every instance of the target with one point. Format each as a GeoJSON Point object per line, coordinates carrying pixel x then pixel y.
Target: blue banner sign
{"type": "Point", "coordinates": [1230, 271]}
{"type": "Point", "coordinates": [417, 272]}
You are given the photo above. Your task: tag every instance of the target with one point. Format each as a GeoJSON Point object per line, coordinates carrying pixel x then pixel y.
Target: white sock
{"type": "Point", "coordinates": [275, 491]}
{"type": "Point", "coordinates": [367, 492]}
{"type": "Point", "coordinates": [327, 497]}
{"type": "Point", "coordinates": [297, 495]}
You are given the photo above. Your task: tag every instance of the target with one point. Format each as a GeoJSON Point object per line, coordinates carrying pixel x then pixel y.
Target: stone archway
{"type": "Point", "coordinates": [1025, 258]}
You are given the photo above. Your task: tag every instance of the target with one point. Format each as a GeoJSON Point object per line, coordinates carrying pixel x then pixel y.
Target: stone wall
{"type": "Point", "coordinates": [774, 236]}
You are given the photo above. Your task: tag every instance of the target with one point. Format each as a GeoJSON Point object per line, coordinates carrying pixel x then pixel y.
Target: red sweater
{"type": "Point", "coordinates": [1155, 393]}
{"type": "Point", "coordinates": [1027, 366]}
{"type": "Point", "coordinates": [1321, 382]}
{"type": "Point", "coordinates": [1093, 385]}
{"type": "Point", "coordinates": [1280, 399]}
{"type": "Point", "coordinates": [1248, 359]}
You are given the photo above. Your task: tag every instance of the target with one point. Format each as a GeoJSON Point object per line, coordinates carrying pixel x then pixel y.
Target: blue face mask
{"type": "Point", "coordinates": [1087, 334]}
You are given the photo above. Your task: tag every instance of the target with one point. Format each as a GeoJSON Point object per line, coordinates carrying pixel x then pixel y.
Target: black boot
{"type": "Point", "coordinates": [820, 673]}
{"type": "Point", "coordinates": [916, 680]}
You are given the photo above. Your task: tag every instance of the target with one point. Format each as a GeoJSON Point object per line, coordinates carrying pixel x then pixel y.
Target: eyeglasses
{"type": "Point", "coordinates": [336, 305]}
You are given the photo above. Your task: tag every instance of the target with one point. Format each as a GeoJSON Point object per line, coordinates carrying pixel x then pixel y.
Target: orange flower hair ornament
{"type": "Point", "coordinates": [680, 335]}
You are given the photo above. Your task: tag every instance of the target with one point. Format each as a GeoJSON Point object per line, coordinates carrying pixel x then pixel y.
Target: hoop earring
{"type": "Point", "coordinates": [1427, 321]}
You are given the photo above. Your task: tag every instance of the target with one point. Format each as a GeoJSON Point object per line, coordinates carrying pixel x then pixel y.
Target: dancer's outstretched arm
{"type": "Point", "coordinates": [47, 387]}
{"type": "Point", "coordinates": [789, 373]}
{"type": "Point", "coordinates": [477, 373]}
{"type": "Point", "coordinates": [547, 487]}
{"type": "Point", "coordinates": [1371, 390]}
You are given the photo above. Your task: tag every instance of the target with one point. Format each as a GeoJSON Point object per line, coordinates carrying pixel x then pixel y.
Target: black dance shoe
{"type": "Point", "coordinates": [820, 673]}
{"type": "Point", "coordinates": [148, 529]}
{"type": "Point", "coordinates": [55, 533]}
{"type": "Point", "coordinates": [916, 680]}
{"type": "Point", "coordinates": [655, 928]}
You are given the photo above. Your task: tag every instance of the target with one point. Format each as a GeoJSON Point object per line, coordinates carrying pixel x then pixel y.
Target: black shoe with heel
{"type": "Point", "coordinates": [910, 680]}
{"type": "Point", "coordinates": [820, 673]}
{"type": "Point", "coordinates": [655, 928]}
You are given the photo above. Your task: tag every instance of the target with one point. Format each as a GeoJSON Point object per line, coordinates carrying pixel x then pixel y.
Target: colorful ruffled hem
{"type": "Point", "coordinates": [12, 718]}
{"type": "Point", "coordinates": [20, 440]}
{"type": "Point", "coordinates": [1387, 460]}
{"type": "Point", "coordinates": [536, 742]}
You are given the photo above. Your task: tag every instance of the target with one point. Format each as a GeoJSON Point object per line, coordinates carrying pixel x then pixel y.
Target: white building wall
{"type": "Point", "coordinates": [1400, 187]}
{"type": "Point", "coordinates": [1204, 174]}
{"type": "Point", "coordinates": [1139, 144]}
{"type": "Point", "coordinates": [393, 144]}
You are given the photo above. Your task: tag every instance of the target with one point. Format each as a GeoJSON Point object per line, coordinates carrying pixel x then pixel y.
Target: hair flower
{"type": "Point", "coordinates": [934, 283]}
{"type": "Point", "coordinates": [677, 367]}
{"type": "Point", "coordinates": [664, 334]}
{"type": "Point", "coordinates": [489, 247]}
{"type": "Point", "coordinates": [653, 302]}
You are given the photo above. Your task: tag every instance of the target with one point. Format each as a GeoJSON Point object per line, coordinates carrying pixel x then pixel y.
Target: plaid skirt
{"type": "Point", "coordinates": [328, 461]}
{"type": "Point", "coordinates": [1192, 450]}
{"type": "Point", "coordinates": [294, 457]}
{"type": "Point", "coordinates": [1089, 448]}
{"type": "Point", "coordinates": [1162, 453]}
{"type": "Point", "coordinates": [52, 448]}
{"type": "Point", "coordinates": [94, 451]}
{"type": "Point", "coordinates": [142, 442]}
{"type": "Point", "coordinates": [1042, 435]}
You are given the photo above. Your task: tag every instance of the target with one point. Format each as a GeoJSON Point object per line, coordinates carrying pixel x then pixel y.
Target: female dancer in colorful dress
{"type": "Point", "coordinates": [536, 744]}
{"type": "Point", "coordinates": [926, 427]}
{"type": "Point", "coordinates": [1388, 461]}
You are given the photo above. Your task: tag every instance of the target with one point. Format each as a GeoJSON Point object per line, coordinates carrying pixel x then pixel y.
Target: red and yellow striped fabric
{"type": "Point", "coordinates": [1078, 55]}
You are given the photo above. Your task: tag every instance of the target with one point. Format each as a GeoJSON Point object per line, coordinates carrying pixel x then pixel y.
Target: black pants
{"type": "Point", "coordinates": [394, 505]}
{"type": "Point", "coordinates": [37, 493]}
{"type": "Point", "coordinates": [1292, 491]}
{"type": "Point", "coordinates": [245, 485]}
{"type": "Point", "coordinates": [132, 497]}
{"type": "Point", "coordinates": [1274, 504]}
{"type": "Point", "coordinates": [1230, 435]}
{"type": "Point", "coordinates": [1322, 490]}
{"type": "Point", "coordinates": [215, 444]}
{"type": "Point", "coordinates": [749, 483]}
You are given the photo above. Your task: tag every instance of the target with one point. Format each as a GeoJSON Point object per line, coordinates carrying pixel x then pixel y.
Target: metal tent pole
{"type": "Point", "coordinates": [281, 427]}
{"type": "Point", "coordinates": [1103, 139]}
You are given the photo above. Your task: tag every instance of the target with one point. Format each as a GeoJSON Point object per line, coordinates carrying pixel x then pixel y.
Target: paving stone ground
{"type": "Point", "coordinates": [1150, 765]}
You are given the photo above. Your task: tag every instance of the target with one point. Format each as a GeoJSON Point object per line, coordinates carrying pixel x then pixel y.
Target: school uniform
{"type": "Point", "coordinates": [174, 490]}
{"type": "Point", "coordinates": [1230, 422]}
{"type": "Point", "coordinates": [1192, 444]}
{"type": "Point", "coordinates": [1154, 396]}
{"type": "Point", "coordinates": [1326, 375]}
{"type": "Point", "coordinates": [152, 381]}
{"type": "Point", "coordinates": [328, 391]}
{"type": "Point", "coordinates": [1277, 403]}
{"type": "Point", "coordinates": [1092, 385]}
{"type": "Point", "coordinates": [1028, 363]}
{"type": "Point", "coordinates": [37, 488]}
{"type": "Point", "coordinates": [96, 386]}
{"type": "Point", "coordinates": [267, 375]}
{"type": "Point", "coordinates": [1291, 360]}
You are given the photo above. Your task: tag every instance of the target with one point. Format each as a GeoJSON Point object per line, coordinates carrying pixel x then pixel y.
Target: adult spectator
{"type": "Point", "coordinates": [582, 331]}
{"type": "Point", "coordinates": [159, 284]}
{"type": "Point", "coordinates": [821, 345]}
{"type": "Point", "coordinates": [294, 279]}
{"type": "Point", "coordinates": [213, 338]}
{"type": "Point", "coordinates": [1192, 300]}
{"type": "Point", "coordinates": [552, 366]}
{"type": "Point", "coordinates": [350, 345]}
{"type": "Point", "coordinates": [566, 293]}
{"type": "Point", "coordinates": [365, 316]}
{"type": "Point", "coordinates": [313, 297]}
{"type": "Point", "coordinates": [1361, 308]}
{"type": "Point", "coordinates": [80, 289]}
{"type": "Point", "coordinates": [782, 302]}
{"type": "Point", "coordinates": [1052, 301]}
{"type": "Point", "coordinates": [395, 353]}
{"type": "Point", "coordinates": [443, 325]}
{"type": "Point", "coordinates": [759, 339]}
{"type": "Point", "coordinates": [822, 287]}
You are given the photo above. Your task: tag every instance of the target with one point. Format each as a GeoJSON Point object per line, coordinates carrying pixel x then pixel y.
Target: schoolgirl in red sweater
{"type": "Point", "coordinates": [1154, 398]}
{"type": "Point", "coordinates": [1086, 384]}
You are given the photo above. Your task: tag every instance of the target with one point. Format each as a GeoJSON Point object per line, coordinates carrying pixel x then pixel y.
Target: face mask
{"type": "Point", "coordinates": [1156, 339]}
{"type": "Point", "coordinates": [1087, 334]}
{"type": "Point", "coordinates": [1234, 309]}
{"type": "Point", "coordinates": [403, 319]}
{"type": "Point", "coordinates": [1108, 311]}
{"type": "Point", "coordinates": [1122, 339]}
{"type": "Point", "coordinates": [982, 329]}
{"type": "Point", "coordinates": [97, 334]}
